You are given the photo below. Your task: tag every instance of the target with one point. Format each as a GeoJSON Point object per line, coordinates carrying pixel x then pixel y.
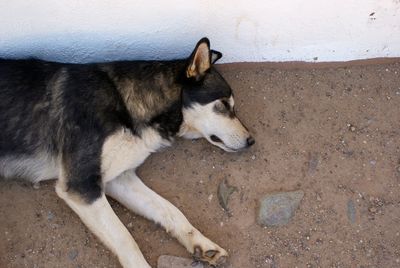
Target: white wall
{"type": "Point", "coordinates": [264, 30]}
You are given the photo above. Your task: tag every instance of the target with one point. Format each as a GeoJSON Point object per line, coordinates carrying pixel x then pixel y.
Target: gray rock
{"type": "Point", "coordinates": [277, 209]}
{"type": "Point", "coordinates": [351, 211]}
{"type": "Point", "coordinates": [50, 216]}
{"type": "Point", "coordinates": [166, 261]}
{"type": "Point", "coordinates": [224, 192]}
{"type": "Point", "coordinates": [73, 254]}
{"type": "Point", "coordinates": [313, 161]}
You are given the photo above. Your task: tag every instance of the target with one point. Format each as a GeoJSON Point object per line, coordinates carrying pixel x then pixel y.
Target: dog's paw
{"type": "Point", "coordinates": [211, 254]}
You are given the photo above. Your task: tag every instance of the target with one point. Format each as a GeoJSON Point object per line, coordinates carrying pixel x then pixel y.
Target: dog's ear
{"type": "Point", "coordinates": [215, 55]}
{"type": "Point", "coordinates": [199, 60]}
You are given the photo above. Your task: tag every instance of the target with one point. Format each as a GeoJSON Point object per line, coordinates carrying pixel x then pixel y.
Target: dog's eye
{"type": "Point", "coordinates": [224, 107]}
{"type": "Point", "coordinates": [221, 107]}
{"type": "Point", "coordinates": [226, 104]}
{"type": "Point", "coordinates": [215, 139]}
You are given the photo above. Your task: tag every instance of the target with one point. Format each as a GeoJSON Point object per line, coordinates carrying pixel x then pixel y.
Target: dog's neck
{"type": "Point", "coordinates": [151, 93]}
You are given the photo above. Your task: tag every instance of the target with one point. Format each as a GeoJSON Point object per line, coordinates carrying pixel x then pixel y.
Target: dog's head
{"type": "Point", "coordinates": [208, 105]}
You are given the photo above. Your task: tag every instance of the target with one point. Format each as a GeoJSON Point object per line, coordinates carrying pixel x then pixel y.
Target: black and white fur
{"type": "Point", "coordinates": [92, 125]}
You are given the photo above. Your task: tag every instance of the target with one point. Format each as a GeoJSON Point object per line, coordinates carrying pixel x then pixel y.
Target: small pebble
{"type": "Point", "coordinates": [372, 209]}
{"type": "Point", "coordinates": [36, 185]}
{"type": "Point", "coordinates": [73, 254]}
{"type": "Point", "coordinates": [351, 211]}
{"type": "Point", "coordinates": [50, 216]}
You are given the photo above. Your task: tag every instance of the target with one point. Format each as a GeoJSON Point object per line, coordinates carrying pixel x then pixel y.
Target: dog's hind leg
{"type": "Point", "coordinates": [100, 218]}
{"type": "Point", "coordinates": [130, 191]}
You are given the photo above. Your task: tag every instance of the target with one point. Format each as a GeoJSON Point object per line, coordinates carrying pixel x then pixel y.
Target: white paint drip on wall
{"type": "Point", "coordinates": [264, 30]}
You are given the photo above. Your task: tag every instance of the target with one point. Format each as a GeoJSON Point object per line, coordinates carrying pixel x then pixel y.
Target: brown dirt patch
{"type": "Point", "coordinates": [333, 132]}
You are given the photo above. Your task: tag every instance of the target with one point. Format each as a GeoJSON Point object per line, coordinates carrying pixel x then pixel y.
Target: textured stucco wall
{"type": "Point", "coordinates": [264, 30]}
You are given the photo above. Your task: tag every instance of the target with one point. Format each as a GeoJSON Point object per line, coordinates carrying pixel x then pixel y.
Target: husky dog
{"type": "Point", "coordinates": [92, 125]}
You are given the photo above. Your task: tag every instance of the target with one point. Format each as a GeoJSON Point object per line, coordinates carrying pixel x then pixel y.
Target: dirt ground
{"type": "Point", "coordinates": [333, 132]}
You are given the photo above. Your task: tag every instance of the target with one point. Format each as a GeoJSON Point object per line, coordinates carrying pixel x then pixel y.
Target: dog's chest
{"type": "Point", "coordinates": [123, 151]}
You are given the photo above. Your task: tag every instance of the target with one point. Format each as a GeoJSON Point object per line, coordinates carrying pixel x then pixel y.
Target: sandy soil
{"type": "Point", "coordinates": [333, 132]}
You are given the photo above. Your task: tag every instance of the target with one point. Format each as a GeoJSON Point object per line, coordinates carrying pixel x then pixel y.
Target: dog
{"type": "Point", "coordinates": [91, 125]}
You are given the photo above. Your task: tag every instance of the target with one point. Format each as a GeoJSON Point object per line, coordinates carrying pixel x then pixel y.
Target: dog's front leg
{"type": "Point", "coordinates": [100, 218]}
{"type": "Point", "coordinates": [130, 191]}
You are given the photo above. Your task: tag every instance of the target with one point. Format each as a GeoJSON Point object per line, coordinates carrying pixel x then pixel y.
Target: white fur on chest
{"type": "Point", "coordinates": [123, 151]}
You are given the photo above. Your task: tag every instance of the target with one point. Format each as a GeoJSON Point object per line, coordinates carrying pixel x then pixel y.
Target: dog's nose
{"type": "Point", "coordinates": [250, 141]}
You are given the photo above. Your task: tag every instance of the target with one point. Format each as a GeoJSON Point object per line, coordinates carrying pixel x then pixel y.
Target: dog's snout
{"type": "Point", "coordinates": [250, 141]}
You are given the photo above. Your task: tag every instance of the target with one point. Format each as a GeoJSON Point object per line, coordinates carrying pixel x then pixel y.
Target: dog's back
{"type": "Point", "coordinates": [24, 104]}
{"type": "Point", "coordinates": [24, 118]}
{"type": "Point", "coordinates": [42, 104]}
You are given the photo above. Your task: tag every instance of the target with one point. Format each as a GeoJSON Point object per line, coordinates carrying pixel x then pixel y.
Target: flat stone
{"type": "Point", "coordinates": [166, 261]}
{"type": "Point", "coordinates": [277, 209]}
